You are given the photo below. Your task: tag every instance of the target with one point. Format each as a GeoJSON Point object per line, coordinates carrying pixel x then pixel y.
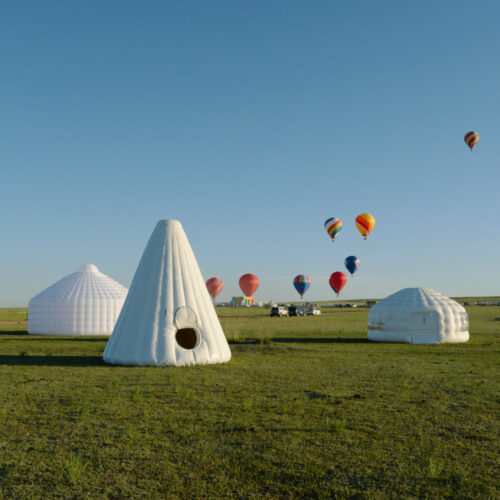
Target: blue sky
{"type": "Point", "coordinates": [252, 123]}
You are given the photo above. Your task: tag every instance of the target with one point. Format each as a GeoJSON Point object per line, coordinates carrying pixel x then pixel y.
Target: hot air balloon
{"type": "Point", "coordinates": [249, 284]}
{"type": "Point", "coordinates": [214, 287]}
{"type": "Point", "coordinates": [337, 281]}
{"type": "Point", "coordinates": [333, 226]}
{"type": "Point", "coordinates": [365, 223]}
{"type": "Point", "coordinates": [471, 139]}
{"type": "Point", "coordinates": [301, 282]}
{"type": "Point", "coordinates": [352, 263]}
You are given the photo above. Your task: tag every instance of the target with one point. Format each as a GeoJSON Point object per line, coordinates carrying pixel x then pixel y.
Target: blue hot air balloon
{"type": "Point", "coordinates": [352, 263]}
{"type": "Point", "coordinates": [301, 282]}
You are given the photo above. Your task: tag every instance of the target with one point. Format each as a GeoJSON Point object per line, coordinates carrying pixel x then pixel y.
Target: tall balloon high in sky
{"type": "Point", "coordinates": [352, 264]}
{"type": "Point", "coordinates": [471, 139]}
{"type": "Point", "coordinates": [249, 284]}
{"type": "Point", "coordinates": [214, 286]}
{"type": "Point", "coordinates": [333, 226]}
{"type": "Point", "coordinates": [365, 223]}
{"type": "Point", "coordinates": [301, 282]}
{"type": "Point", "coordinates": [337, 281]}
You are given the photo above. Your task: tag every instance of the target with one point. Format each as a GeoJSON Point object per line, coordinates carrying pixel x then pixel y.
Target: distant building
{"type": "Point", "coordinates": [242, 301]}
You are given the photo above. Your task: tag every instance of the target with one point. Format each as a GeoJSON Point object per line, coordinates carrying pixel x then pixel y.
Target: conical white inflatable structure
{"type": "Point", "coordinates": [168, 317]}
{"type": "Point", "coordinates": [86, 302]}
{"type": "Point", "coordinates": [418, 316]}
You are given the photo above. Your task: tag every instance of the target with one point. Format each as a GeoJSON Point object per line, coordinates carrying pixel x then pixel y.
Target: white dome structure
{"type": "Point", "coordinates": [168, 317]}
{"type": "Point", "coordinates": [86, 302]}
{"type": "Point", "coordinates": [418, 316]}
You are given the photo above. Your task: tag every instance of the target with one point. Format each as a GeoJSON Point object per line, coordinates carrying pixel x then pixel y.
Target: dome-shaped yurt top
{"type": "Point", "coordinates": [418, 316]}
{"type": "Point", "coordinates": [86, 302]}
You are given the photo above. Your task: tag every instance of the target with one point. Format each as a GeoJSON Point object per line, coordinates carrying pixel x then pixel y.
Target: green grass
{"type": "Point", "coordinates": [14, 314]}
{"type": "Point", "coordinates": [306, 408]}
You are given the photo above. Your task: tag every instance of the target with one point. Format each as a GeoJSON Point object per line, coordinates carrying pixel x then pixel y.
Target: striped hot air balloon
{"type": "Point", "coordinates": [365, 223]}
{"type": "Point", "coordinates": [214, 286]}
{"type": "Point", "coordinates": [333, 226]}
{"type": "Point", "coordinates": [301, 282]}
{"type": "Point", "coordinates": [471, 139]}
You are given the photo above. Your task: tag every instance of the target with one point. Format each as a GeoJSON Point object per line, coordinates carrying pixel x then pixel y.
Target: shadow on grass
{"type": "Point", "coordinates": [26, 360]}
{"type": "Point", "coordinates": [45, 338]}
{"type": "Point", "coordinates": [321, 340]}
{"type": "Point", "coordinates": [248, 341]}
{"type": "Point", "coordinates": [66, 339]}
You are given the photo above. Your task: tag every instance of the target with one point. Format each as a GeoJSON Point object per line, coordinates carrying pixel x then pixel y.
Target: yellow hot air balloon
{"type": "Point", "coordinates": [365, 223]}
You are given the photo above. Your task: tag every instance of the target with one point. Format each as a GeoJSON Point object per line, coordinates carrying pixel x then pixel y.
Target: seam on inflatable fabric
{"type": "Point", "coordinates": [182, 269]}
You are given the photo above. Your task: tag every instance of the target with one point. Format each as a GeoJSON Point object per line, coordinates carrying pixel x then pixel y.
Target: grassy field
{"type": "Point", "coordinates": [306, 408]}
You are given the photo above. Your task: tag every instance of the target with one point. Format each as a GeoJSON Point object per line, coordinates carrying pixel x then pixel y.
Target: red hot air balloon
{"type": "Point", "coordinates": [214, 287]}
{"type": "Point", "coordinates": [249, 284]}
{"type": "Point", "coordinates": [337, 281]}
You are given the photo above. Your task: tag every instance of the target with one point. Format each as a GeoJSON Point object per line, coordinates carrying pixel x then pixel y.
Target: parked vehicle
{"type": "Point", "coordinates": [296, 311]}
{"type": "Point", "coordinates": [313, 311]}
{"type": "Point", "coordinates": [279, 311]}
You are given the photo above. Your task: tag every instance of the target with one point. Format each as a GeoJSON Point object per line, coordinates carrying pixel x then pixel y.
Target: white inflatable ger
{"type": "Point", "coordinates": [418, 316]}
{"type": "Point", "coordinates": [168, 317]}
{"type": "Point", "coordinates": [86, 302]}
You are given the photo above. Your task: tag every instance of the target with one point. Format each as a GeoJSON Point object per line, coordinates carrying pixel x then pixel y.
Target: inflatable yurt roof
{"type": "Point", "coordinates": [168, 317]}
{"type": "Point", "coordinates": [86, 302]}
{"type": "Point", "coordinates": [418, 316]}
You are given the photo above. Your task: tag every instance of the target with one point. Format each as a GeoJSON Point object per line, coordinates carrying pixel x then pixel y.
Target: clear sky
{"type": "Point", "coordinates": [252, 122]}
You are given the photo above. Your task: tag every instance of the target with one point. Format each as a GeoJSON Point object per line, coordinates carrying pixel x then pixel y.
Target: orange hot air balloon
{"type": "Point", "coordinates": [365, 223]}
{"type": "Point", "coordinates": [337, 281]}
{"type": "Point", "coordinates": [249, 284]}
{"type": "Point", "coordinates": [214, 287]}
